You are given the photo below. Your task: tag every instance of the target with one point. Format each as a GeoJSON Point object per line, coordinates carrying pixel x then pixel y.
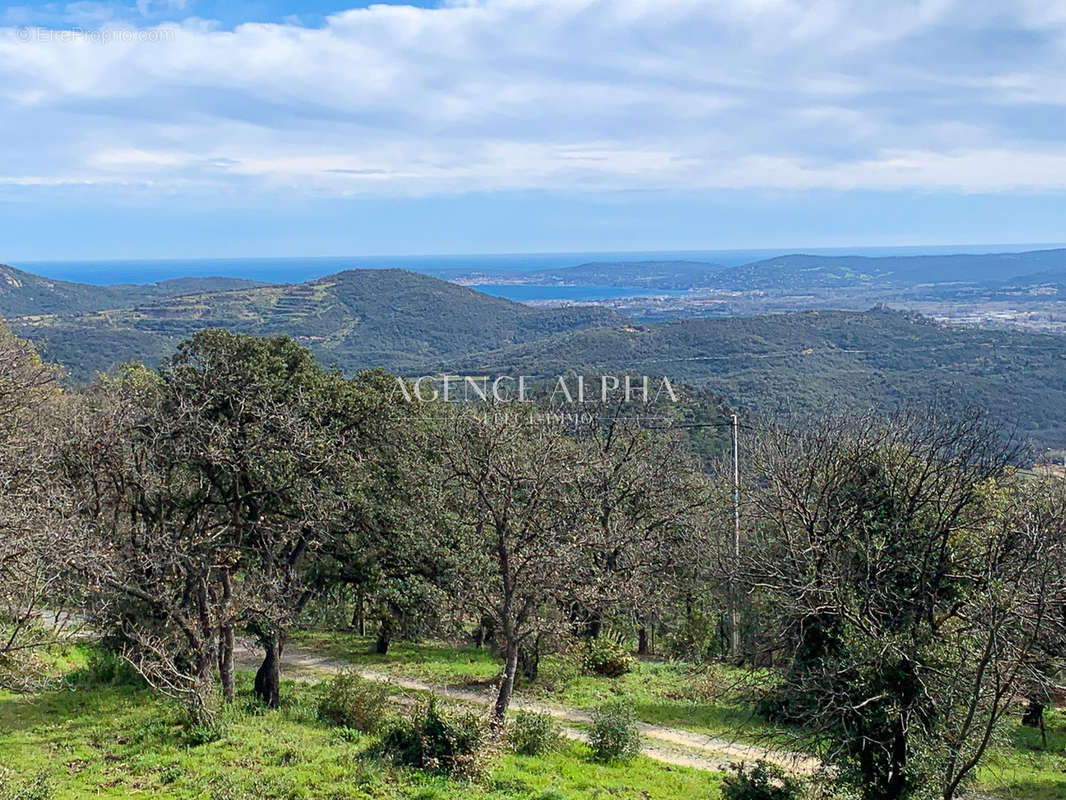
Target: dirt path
{"type": "Point", "coordinates": [668, 745]}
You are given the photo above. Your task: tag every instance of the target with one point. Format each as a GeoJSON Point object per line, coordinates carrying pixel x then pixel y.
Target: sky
{"type": "Point", "coordinates": [187, 128]}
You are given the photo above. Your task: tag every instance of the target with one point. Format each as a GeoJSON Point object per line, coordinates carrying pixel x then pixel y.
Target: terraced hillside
{"type": "Point", "coordinates": [23, 293]}
{"type": "Point", "coordinates": [353, 319]}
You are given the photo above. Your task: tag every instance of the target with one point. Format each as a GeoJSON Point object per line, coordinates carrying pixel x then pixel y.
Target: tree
{"type": "Point", "coordinates": [150, 551]}
{"type": "Point", "coordinates": [211, 489]}
{"type": "Point", "coordinates": [646, 497]}
{"type": "Point", "coordinates": [274, 441]}
{"type": "Point", "coordinates": [909, 616]}
{"type": "Point", "coordinates": [393, 548]}
{"type": "Point", "coordinates": [32, 549]}
{"type": "Point", "coordinates": [1032, 512]}
{"type": "Point", "coordinates": [523, 531]}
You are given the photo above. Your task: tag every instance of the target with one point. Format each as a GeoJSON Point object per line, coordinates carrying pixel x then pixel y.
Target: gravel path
{"type": "Point", "coordinates": [668, 745]}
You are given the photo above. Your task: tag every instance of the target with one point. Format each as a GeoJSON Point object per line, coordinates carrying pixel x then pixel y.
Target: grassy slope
{"type": "Point", "coordinates": [117, 742]}
{"type": "Point", "coordinates": [705, 700]}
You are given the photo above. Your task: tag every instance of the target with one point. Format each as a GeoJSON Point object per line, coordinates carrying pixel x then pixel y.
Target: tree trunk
{"type": "Point", "coordinates": [503, 699]}
{"type": "Point", "coordinates": [1033, 715]}
{"type": "Point", "coordinates": [483, 634]}
{"type": "Point", "coordinates": [595, 625]}
{"type": "Point", "coordinates": [1034, 718]}
{"type": "Point", "coordinates": [358, 617]}
{"type": "Point", "coordinates": [225, 638]}
{"type": "Point", "coordinates": [642, 642]}
{"type": "Point", "coordinates": [529, 661]}
{"type": "Point", "coordinates": [268, 678]}
{"type": "Point", "coordinates": [225, 662]}
{"type": "Point", "coordinates": [381, 645]}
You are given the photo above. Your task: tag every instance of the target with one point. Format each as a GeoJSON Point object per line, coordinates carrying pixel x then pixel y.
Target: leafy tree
{"type": "Point", "coordinates": [393, 547]}
{"type": "Point", "coordinates": [273, 440]}
{"type": "Point", "coordinates": [150, 550]}
{"type": "Point", "coordinates": [646, 497]}
{"type": "Point", "coordinates": [211, 491]}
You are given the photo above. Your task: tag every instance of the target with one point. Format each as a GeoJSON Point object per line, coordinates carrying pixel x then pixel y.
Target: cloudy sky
{"type": "Point", "coordinates": [194, 128]}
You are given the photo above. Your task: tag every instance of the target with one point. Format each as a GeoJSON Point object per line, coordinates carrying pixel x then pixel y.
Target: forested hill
{"type": "Point", "coordinates": [354, 319]}
{"type": "Point", "coordinates": [23, 293]}
{"type": "Point", "coordinates": [809, 361]}
{"type": "Point", "coordinates": [414, 324]}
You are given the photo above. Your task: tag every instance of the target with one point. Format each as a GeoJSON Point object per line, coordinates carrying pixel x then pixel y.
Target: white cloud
{"type": "Point", "coordinates": [564, 94]}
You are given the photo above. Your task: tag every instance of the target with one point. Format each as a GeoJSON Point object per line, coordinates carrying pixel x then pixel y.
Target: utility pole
{"type": "Point", "coordinates": [734, 614]}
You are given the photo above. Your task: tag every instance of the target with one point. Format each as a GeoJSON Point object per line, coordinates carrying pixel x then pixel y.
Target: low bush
{"type": "Point", "coordinates": [532, 734]}
{"type": "Point", "coordinates": [557, 672]}
{"type": "Point", "coordinates": [350, 701]}
{"type": "Point", "coordinates": [761, 782]}
{"type": "Point", "coordinates": [604, 656]}
{"type": "Point", "coordinates": [614, 735]}
{"type": "Point", "coordinates": [205, 732]}
{"type": "Point", "coordinates": [440, 740]}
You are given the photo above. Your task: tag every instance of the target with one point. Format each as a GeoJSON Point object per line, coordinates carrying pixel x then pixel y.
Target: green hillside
{"type": "Point", "coordinates": [353, 319]}
{"type": "Point", "coordinates": [810, 361]}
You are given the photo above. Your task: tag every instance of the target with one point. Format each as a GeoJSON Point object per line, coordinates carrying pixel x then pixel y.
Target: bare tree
{"type": "Point", "coordinates": [32, 511]}
{"type": "Point", "coordinates": [908, 614]}
{"type": "Point", "coordinates": [647, 499]}
{"type": "Point", "coordinates": [150, 551]}
{"type": "Point", "coordinates": [523, 531]}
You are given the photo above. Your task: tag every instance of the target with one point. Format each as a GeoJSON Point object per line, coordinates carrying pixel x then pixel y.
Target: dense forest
{"type": "Point", "coordinates": [882, 592]}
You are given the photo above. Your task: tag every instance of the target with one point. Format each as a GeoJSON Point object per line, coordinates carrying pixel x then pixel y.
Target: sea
{"type": "Point", "coordinates": [298, 269]}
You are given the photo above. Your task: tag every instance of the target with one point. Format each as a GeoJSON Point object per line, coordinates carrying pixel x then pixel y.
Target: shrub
{"type": "Point", "coordinates": [606, 657]}
{"type": "Point", "coordinates": [277, 787]}
{"type": "Point", "coordinates": [205, 732]}
{"type": "Point", "coordinates": [532, 734]}
{"type": "Point", "coordinates": [762, 782]}
{"type": "Point", "coordinates": [558, 671]}
{"type": "Point", "coordinates": [353, 702]}
{"type": "Point", "coordinates": [614, 735]}
{"type": "Point", "coordinates": [440, 740]}
{"type": "Point", "coordinates": [170, 774]}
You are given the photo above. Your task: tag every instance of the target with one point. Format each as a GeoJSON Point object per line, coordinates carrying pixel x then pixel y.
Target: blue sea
{"type": "Point", "coordinates": [294, 270]}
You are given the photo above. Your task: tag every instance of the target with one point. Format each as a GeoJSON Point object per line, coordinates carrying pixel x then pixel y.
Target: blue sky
{"type": "Point", "coordinates": [187, 128]}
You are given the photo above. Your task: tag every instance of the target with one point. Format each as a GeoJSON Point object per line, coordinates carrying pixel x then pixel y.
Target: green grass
{"type": "Point", "coordinates": [432, 661]}
{"type": "Point", "coordinates": [114, 742]}
{"type": "Point", "coordinates": [711, 700]}
{"type": "Point", "coordinates": [1021, 767]}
